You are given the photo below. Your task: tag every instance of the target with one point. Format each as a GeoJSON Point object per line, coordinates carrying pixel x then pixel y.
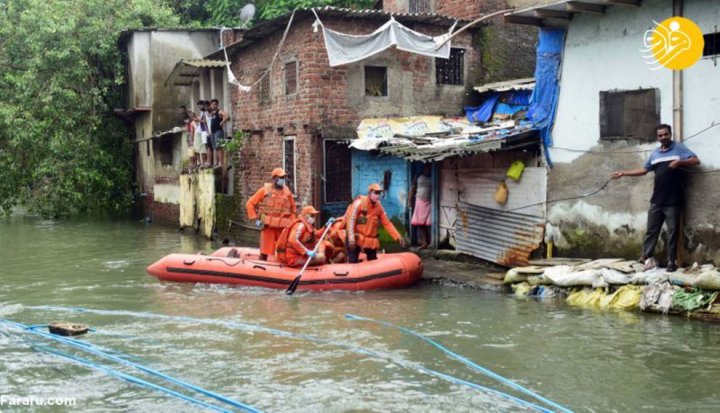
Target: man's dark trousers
{"type": "Point", "coordinates": [670, 214]}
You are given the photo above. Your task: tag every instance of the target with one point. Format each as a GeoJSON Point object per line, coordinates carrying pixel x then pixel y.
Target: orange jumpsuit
{"type": "Point", "coordinates": [276, 209]}
{"type": "Point", "coordinates": [301, 238]}
{"type": "Point", "coordinates": [362, 221]}
{"type": "Point", "coordinates": [335, 241]}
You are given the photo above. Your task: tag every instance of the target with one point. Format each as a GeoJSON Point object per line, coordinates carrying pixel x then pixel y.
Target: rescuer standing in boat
{"type": "Point", "coordinates": [273, 209]}
{"type": "Point", "coordinates": [297, 243]}
{"type": "Point", "coordinates": [362, 224]}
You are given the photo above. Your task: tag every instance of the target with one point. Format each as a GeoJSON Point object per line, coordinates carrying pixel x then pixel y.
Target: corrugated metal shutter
{"type": "Point", "coordinates": [506, 238]}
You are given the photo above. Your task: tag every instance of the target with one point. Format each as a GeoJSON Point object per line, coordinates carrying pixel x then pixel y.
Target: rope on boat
{"type": "Point", "coordinates": [105, 353]}
{"type": "Point", "coordinates": [282, 333]}
{"type": "Point", "coordinates": [464, 360]}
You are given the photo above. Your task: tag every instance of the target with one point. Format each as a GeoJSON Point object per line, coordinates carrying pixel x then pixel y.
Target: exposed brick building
{"type": "Point", "coordinates": [301, 115]}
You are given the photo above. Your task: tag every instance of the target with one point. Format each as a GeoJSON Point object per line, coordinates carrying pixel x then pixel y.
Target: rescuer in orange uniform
{"type": "Point", "coordinates": [334, 243]}
{"type": "Point", "coordinates": [361, 223]}
{"type": "Point", "coordinates": [273, 209]}
{"type": "Point", "coordinates": [297, 242]}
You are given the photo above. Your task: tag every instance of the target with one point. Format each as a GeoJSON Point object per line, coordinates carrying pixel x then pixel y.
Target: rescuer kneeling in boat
{"type": "Point", "coordinates": [334, 242]}
{"type": "Point", "coordinates": [297, 242]}
{"type": "Point", "coordinates": [273, 209]}
{"type": "Point", "coordinates": [362, 220]}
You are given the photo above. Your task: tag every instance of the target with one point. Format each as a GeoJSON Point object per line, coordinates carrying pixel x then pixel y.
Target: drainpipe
{"type": "Point", "coordinates": [678, 124]}
{"type": "Point", "coordinates": [678, 85]}
{"type": "Point", "coordinates": [435, 204]}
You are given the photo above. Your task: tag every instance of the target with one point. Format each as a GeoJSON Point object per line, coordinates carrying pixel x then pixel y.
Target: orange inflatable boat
{"type": "Point", "coordinates": [241, 266]}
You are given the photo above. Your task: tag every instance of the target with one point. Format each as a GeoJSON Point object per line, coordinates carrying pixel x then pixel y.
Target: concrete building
{"type": "Point", "coordinates": [609, 102]}
{"type": "Point", "coordinates": [151, 106]}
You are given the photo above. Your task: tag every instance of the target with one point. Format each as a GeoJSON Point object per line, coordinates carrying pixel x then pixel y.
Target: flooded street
{"type": "Point", "coordinates": [302, 354]}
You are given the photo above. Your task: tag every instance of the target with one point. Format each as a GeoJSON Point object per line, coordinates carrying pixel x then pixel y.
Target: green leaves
{"type": "Point", "coordinates": [61, 150]}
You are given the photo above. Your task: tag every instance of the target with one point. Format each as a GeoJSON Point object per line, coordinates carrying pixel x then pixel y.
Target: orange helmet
{"type": "Point", "coordinates": [309, 210]}
{"type": "Point", "coordinates": [375, 187]}
{"type": "Point", "coordinates": [278, 172]}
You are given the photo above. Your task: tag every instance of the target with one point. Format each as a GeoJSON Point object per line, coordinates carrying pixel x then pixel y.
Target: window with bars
{"type": "Point", "coordinates": [376, 81]}
{"type": "Point", "coordinates": [712, 44]}
{"type": "Point", "coordinates": [631, 114]}
{"type": "Point", "coordinates": [420, 6]}
{"type": "Point", "coordinates": [338, 172]}
{"type": "Point", "coordinates": [291, 78]}
{"type": "Point", "coordinates": [289, 162]}
{"type": "Point", "coordinates": [450, 71]}
{"type": "Point", "coordinates": [264, 90]}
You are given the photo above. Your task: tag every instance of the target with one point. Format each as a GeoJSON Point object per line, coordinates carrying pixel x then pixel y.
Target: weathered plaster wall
{"type": "Point", "coordinates": [601, 54]}
{"type": "Point", "coordinates": [166, 50]}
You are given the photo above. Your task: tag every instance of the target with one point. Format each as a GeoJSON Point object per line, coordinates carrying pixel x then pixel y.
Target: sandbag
{"type": "Point", "coordinates": [522, 289]}
{"type": "Point", "coordinates": [585, 297]}
{"type": "Point", "coordinates": [682, 279]}
{"type": "Point", "coordinates": [512, 277]}
{"type": "Point", "coordinates": [572, 279]}
{"type": "Point", "coordinates": [658, 297]}
{"type": "Point", "coordinates": [501, 193]}
{"type": "Point", "coordinates": [626, 297]}
{"type": "Point", "coordinates": [708, 280]}
{"type": "Point", "coordinates": [538, 280]}
{"type": "Point", "coordinates": [614, 276]}
{"type": "Point", "coordinates": [690, 301]}
{"type": "Point", "coordinates": [654, 276]}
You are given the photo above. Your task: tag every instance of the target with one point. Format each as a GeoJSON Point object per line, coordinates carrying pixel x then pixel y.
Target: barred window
{"type": "Point", "coordinates": [420, 6]}
{"type": "Point", "coordinates": [289, 161]}
{"type": "Point", "coordinates": [290, 78]}
{"type": "Point", "coordinates": [264, 90]}
{"type": "Point", "coordinates": [450, 71]}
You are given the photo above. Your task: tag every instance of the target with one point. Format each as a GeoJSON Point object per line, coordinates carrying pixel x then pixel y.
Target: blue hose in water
{"type": "Point", "coordinates": [252, 327]}
{"type": "Point", "coordinates": [470, 363]}
{"type": "Point", "coordinates": [128, 377]}
{"type": "Point", "coordinates": [99, 351]}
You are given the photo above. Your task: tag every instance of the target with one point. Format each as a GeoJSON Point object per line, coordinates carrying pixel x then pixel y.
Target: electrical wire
{"type": "Point", "coordinates": [256, 328]}
{"type": "Point", "coordinates": [464, 360]}
{"type": "Point", "coordinates": [101, 352]}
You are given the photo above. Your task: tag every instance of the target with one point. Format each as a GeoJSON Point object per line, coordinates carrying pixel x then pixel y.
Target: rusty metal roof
{"type": "Point", "coordinates": [426, 153]}
{"type": "Point", "coordinates": [186, 71]}
{"type": "Point", "coordinates": [503, 237]}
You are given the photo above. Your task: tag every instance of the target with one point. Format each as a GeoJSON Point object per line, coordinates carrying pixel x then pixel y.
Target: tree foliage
{"type": "Point", "coordinates": [61, 150]}
{"type": "Point", "coordinates": [213, 13]}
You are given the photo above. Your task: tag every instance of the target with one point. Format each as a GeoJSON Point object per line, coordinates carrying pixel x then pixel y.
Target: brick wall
{"type": "Point", "coordinates": [161, 213]}
{"type": "Point", "coordinates": [329, 102]}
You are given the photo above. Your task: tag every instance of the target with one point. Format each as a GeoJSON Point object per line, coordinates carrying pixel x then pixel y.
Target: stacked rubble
{"type": "Point", "coordinates": [618, 284]}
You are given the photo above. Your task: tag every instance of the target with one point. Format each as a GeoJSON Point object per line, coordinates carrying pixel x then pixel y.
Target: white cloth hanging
{"type": "Point", "coordinates": [347, 48]}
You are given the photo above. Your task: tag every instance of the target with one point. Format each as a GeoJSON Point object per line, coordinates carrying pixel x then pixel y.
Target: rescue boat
{"type": "Point", "coordinates": [241, 266]}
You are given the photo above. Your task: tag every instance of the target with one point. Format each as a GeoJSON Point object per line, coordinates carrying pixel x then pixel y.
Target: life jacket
{"type": "Point", "coordinates": [282, 246]}
{"type": "Point", "coordinates": [275, 209]}
{"type": "Point", "coordinates": [366, 223]}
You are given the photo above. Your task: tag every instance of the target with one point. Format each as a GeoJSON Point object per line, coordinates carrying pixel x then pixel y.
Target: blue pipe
{"type": "Point", "coordinates": [466, 361]}
{"type": "Point", "coordinates": [130, 378]}
{"type": "Point", "coordinates": [252, 327]}
{"type": "Point", "coordinates": [99, 351]}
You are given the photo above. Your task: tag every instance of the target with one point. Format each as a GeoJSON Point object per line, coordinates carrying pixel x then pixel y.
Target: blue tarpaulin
{"type": "Point", "coordinates": [483, 112]}
{"type": "Point", "coordinates": [543, 102]}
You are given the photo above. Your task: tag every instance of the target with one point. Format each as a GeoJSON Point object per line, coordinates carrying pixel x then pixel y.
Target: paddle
{"type": "Point", "coordinates": [294, 284]}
